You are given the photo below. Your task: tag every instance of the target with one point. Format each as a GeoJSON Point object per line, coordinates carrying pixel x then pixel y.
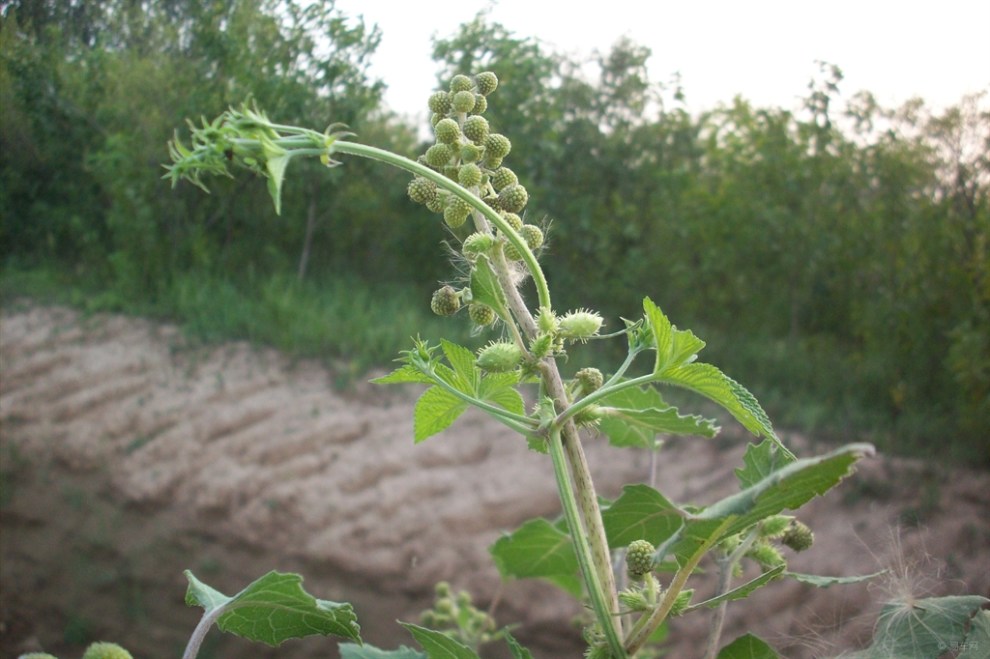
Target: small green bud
{"type": "Point", "coordinates": [444, 605]}
{"type": "Point", "coordinates": [106, 651]}
{"type": "Point", "coordinates": [588, 416]}
{"type": "Point", "coordinates": [456, 212]}
{"type": "Point", "coordinates": [774, 526]}
{"type": "Point", "coordinates": [533, 236]}
{"type": "Point", "coordinates": [447, 131]}
{"type": "Point", "coordinates": [445, 302]}
{"type": "Point", "coordinates": [511, 253]}
{"type": "Point", "coordinates": [487, 82]}
{"type": "Point", "coordinates": [475, 128]}
{"type": "Point", "coordinates": [464, 599]}
{"type": "Point", "coordinates": [481, 314]}
{"type": "Point", "coordinates": [463, 101]}
{"type": "Point", "coordinates": [435, 118]}
{"type": "Point", "coordinates": [503, 177]}
{"type": "Point", "coordinates": [421, 190]}
{"type": "Point", "coordinates": [639, 559]}
{"type": "Point", "coordinates": [440, 103]}
{"type": "Point", "coordinates": [478, 243]}
{"type": "Point", "coordinates": [514, 220]}
{"type": "Point", "coordinates": [470, 153]}
{"type": "Point", "coordinates": [469, 175]}
{"type": "Point", "coordinates": [480, 104]}
{"type": "Point", "coordinates": [798, 536]}
{"type": "Point", "coordinates": [589, 380]}
{"type": "Point", "coordinates": [436, 204]}
{"type": "Point", "coordinates": [442, 589]}
{"type": "Point", "coordinates": [546, 321]}
{"type": "Point", "coordinates": [491, 163]}
{"type": "Point", "coordinates": [497, 145]}
{"type": "Point", "coordinates": [580, 325]}
{"type": "Point", "coordinates": [542, 346]}
{"type": "Point", "coordinates": [499, 357]}
{"type": "Point", "coordinates": [438, 155]}
{"type": "Point", "coordinates": [513, 198]}
{"type": "Point", "coordinates": [635, 600]}
{"type": "Point", "coordinates": [461, 83]}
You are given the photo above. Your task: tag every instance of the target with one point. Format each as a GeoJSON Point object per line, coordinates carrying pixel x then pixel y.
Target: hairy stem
{"type": "Point", "coordinates": [726, 566]}
{"type": "Point", "coordinates": [577, 531]}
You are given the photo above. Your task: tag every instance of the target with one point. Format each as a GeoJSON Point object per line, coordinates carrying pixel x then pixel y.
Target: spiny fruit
{"type": "Point", "coordinates": [463, 101]}
{"type": "Point", "coordinates": [766, 555]}
{"type": "Point", "coordinates": [440, 103]}
{"type": "Point", "coordinates": [639, 558]}
{"type": "Point", "coordinates": [798, 536]}
{"type": "Point", "coordinates": [487, 82]}
{"type": "Point", "coordinates": [469, 175]}
{"type": "Point", "coordinates": [446, 301]}
{"type": "Point", "coordinates": [480, 104]}
{"type": "Point", "coordinates": [497, 146]}
{"type": "Point", "coordinates": [106, 651]}
{"type": "Point", "coordinates": [481, 314]}
{"type": "Point", "coordinates": [438, 155]}
{"type": "Point", "coordinates": [580, 325]}
{"type": "Point", "coordinates": [461, 83]}
{"type": "Point", "coordinates": [475, 128]}
{"type": "Point", "coordinates": [478, 243]}
{"type": "Point", "coordinates": [456, 212]}
{"type": "Point", "coordinates": [513, 198]}
{"type": "Point", "coordinates": [589, 379]}
{"type": "Point", "coordinates": [447, 131]}
{"type": "Point", "coordinates": [499, 357]}
{"type": "Point", "coordinates": [503, 177]}
{"type": "Point", "coordinates": [422, 190]}
{"type": "Point", "coordinates": [533, 236]}
{"type": "Point", "coordinates": [514, 220]}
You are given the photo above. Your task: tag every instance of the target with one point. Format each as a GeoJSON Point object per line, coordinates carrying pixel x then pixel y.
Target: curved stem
{"type": "Point", "coordinates": [442, 181]}
{"type": "Point", "coordinates": [196, 640]}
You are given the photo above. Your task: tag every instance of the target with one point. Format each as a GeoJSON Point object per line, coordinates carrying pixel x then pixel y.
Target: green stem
{"type": "Point", "coordinates": [581, 547]}
{"type": "Point", "coordinates": [365, 151]}
{"type": "Point", "coordinates": [595, 396]}
{"type": "Point", "coordinates": [521, 424]}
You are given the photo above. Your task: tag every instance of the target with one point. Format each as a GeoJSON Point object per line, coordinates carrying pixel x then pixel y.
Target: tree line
{"type": "Point", "coordinates": [834, 255]}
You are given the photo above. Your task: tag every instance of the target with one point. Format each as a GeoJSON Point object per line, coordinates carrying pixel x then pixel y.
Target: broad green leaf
{"type": "Point", "coordinates": [747, 646]}
{"type": "Point", "coordinates": [824, 582]}
{"type": "Point", "coordinates": [922, 628]}
{"type": "Point", "coordinates": [462, 361]}
{"type": "Point", "coordinates": [500, 389]}
{"type": "Point", "coordinates": [538, 549]}
{"type": "Point", "coordinates": [641, 513]}
{"type": "Point", "coordinates": [639, 414]}
{"type": "Point", "coordinates": [788, 488]}
{"type": "Point", "coordinates": [435, 410]}
{"type": "Point", "coordinates": [485, 287]}
{"type": "Point", "coordinates": [761, 460]}
{"type": "Point", "coordinates": [518, 651]}
{"type": "Point", "coordinates": [438, 645]}
{"type": "Point", "coordinates": [977, 643]}
{"type": "Point", "coordinates": [743, 590]}
{"type": "Point", "coordinates": [352, 651]}
{"type": "Point", "coordinates": [404, 374]}
{"type": "Point", "coordinates": [273, 609]}
{"type": "Point", "coordinates": [715, 385]}
{"type": "Point", "coordinates": [674, 347]}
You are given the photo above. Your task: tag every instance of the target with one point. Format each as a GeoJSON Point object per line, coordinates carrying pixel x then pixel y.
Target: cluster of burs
{"type": "Point", "coordinates": [468, 152]}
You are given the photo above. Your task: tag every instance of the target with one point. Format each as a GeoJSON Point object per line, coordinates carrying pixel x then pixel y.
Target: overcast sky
{"type": "Point", "coordinates": [763, 49]}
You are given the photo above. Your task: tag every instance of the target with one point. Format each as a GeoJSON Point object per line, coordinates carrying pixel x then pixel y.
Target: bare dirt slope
{"type": "Point", "coordinates": [129, 455]}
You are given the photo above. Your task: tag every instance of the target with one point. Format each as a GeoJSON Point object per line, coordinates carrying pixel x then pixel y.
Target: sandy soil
{"type": "Point", "coordinates": [129, 455]}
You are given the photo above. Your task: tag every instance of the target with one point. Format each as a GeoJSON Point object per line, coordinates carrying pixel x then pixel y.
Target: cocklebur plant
{"type": "Point", "coordinates": [465, 178]}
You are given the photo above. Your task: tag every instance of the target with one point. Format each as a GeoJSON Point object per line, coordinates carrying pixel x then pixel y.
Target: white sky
{"type": "Point", "coordinates": [762, 49]}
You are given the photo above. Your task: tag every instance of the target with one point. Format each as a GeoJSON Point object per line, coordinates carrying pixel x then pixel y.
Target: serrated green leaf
{"type": "Point", "coordinates": [499, 388]}
{"type": "Point", "coordinates": [788, 488]}
{"type": "Point", "coordinates": [466, 374]}
{"type": "Point", "coordinates": [715, 385]}
{"type": "Point", "coordinates": [761, 460]}
{"type": "Point", "coordinates": [977, 643]}
{"type": "Point", "coordinates": [743, 590]}
{"type": "Point", "coordinates": [276, 173]}
{"type": "Point", "coordinates": [352, 651]}
{"type": "Point", "coordinates": [518, 651]}
{"type": "Point", "coordinates": [435, 411]}
{"type": "Point", "coordinates": [922, 628]}
{"type": "Point", "coordinates": [485, 287]}
{"type": "Point", "coordinates": [273, 609]}
{"type": "Point", "coordinates": [639, 414]}
{"type": "Point", "coordinates": [404, 374]}
{"type": "Point", "coordinates": [674, 347]}
{"type": "Point", "coordinates": [824, 582]}
{"type": "Point", "coordinates": [538, 550]}
{"type": "Point", "coordinates": [747, 646]}
{"type": "Point", "coordinates": [438, 645]}
{"type": "Point", "coordinates": [641, 513]}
